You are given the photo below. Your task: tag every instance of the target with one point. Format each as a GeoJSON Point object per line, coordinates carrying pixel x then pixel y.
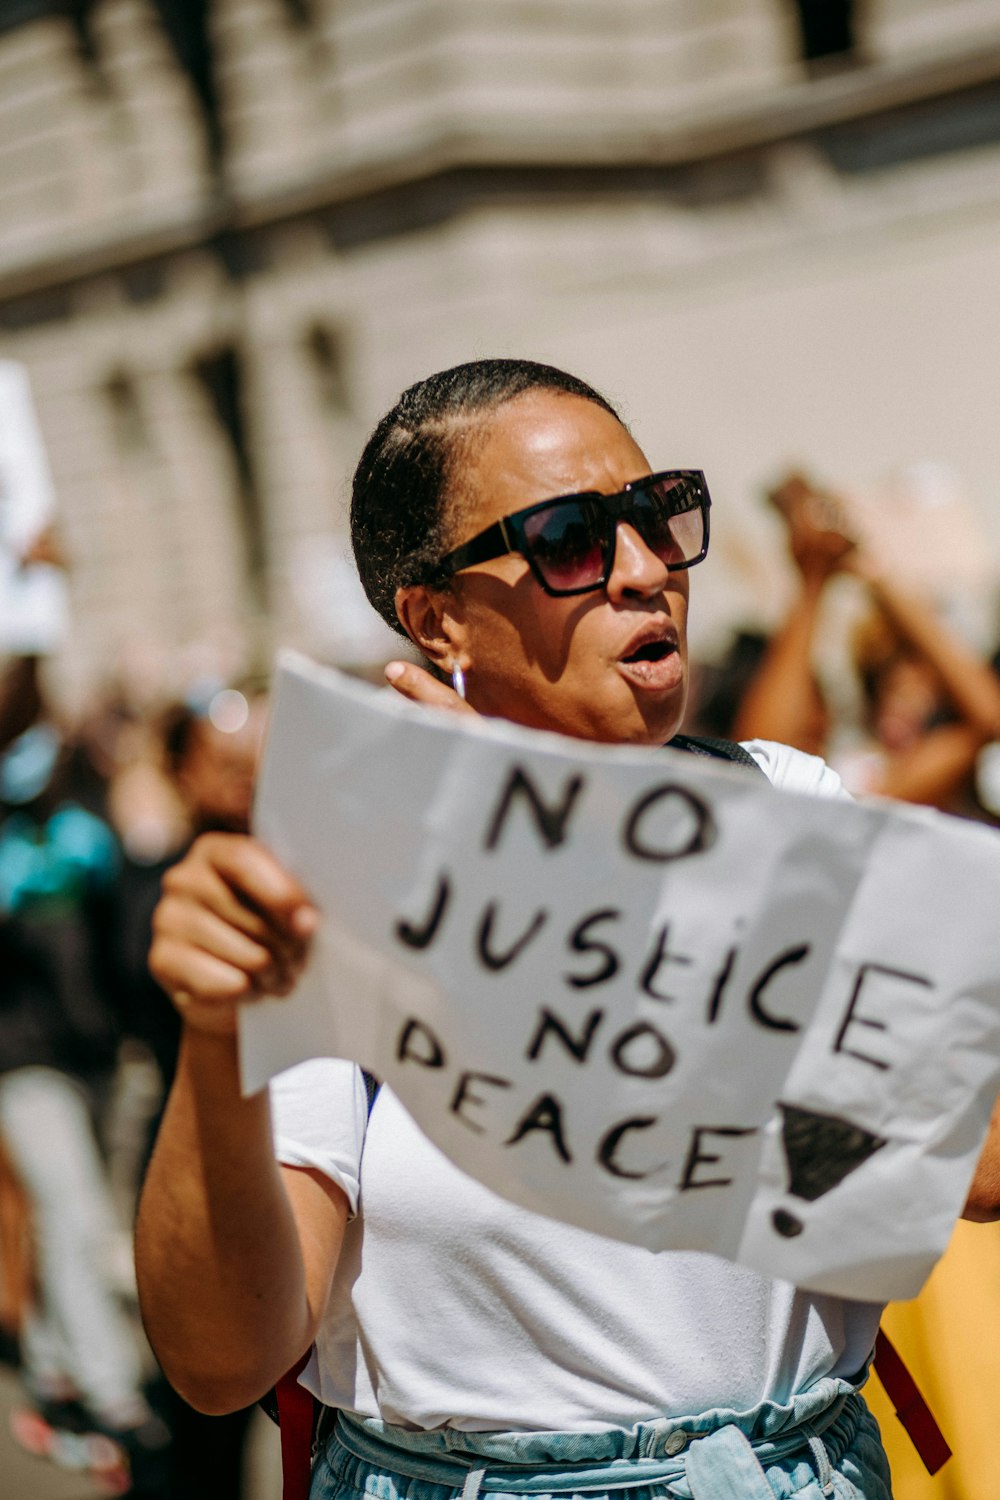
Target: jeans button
{"type": "Point", "coordinates": [675, 1443]}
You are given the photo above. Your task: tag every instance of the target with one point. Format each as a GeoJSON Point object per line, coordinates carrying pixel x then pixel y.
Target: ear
{"type": "Point", "coordinates": [431, 620]}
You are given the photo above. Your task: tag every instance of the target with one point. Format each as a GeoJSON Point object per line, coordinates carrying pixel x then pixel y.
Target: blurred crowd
{"type": "Point", "coordinates": [92, 814]}
{"type": "Point", "coordinates": [90, 818]}
{"type": "Point", "coordinates": [925, 707]}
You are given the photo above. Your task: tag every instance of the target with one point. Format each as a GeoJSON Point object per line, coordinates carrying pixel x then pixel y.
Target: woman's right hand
{"type": "Point", "coordinates": [231, 926]}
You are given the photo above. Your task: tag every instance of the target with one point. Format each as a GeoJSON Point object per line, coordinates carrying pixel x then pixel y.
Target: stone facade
{"type": "Point", "coordinates": [754, 257]}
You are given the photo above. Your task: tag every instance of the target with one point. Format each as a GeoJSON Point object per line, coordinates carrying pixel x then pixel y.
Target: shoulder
{"type": "Point", "coordinates": [319, 1111]}
{"type": "Point", "coordinates": [794, 771]}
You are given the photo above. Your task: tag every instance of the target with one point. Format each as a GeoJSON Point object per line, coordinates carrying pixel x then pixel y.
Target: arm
{"type": "Point", "coordinates": [931, 770]}
{"type": "Point", "coordinates": [983, 1203]}
{"type": "Point", "coordinates": [784, 702]}
{"type": "Point", "coordinates": [234, 1254]}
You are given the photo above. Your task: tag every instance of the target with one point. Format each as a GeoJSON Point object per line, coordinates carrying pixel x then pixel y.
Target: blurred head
{"type": "Point", "coordinates": [902, 693]}
{"type": "Point", "coordinates": [212, 752]}
{"type": "Point", "coordinates": [467, 448]}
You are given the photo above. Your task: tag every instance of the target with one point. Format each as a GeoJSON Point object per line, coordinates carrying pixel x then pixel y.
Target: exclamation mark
{"type": "Point", "coordinates": [821, 1150]}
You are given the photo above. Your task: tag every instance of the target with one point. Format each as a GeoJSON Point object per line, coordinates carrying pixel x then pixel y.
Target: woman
{"type": "Point", "coordinates": [458, 1334]}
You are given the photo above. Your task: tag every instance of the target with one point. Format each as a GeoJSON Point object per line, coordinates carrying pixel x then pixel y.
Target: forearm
{"type": "Point", "coordinates": [222, 1281]}
{"type": "Point", "coordinates": [970, 683]}
{"type": "Point", "coordinates": [782, 701]}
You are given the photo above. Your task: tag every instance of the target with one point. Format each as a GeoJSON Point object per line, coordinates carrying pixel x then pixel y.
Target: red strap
{"type": "Point", "coordinates": [295, 1419]}
{"type": "Point", "coordinates": [910, 1406]}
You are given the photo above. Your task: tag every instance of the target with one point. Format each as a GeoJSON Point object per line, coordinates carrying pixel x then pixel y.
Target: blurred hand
{"type": "Point", "coordinates": [232, 925]}
{"type": "Point", "coordinates": [420, 686]}
{"type": "Point", "coordinates": [818, 535]}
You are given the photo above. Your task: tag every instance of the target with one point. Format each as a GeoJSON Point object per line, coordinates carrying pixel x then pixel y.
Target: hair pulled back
{"type": "Point", "coordinates": [403, 479]}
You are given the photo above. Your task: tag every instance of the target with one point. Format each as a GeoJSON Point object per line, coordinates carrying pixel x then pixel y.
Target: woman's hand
{"type": "Point", "coordinates": [420, 686]}
{"type": "Point", "coordinates": [232, 925]}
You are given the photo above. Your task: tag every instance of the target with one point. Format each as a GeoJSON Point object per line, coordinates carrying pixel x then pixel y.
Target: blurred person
{"type": "Point", "coordinates": [718, 686]}
{"type": "Point", "coordinates": [212, 748]}
{"type": "Point", "coordinates": [930, 703]}
{"type": "Point", "coordinates": [211, 745]}
{"type": "Point", "coordinates": [59, 1033]}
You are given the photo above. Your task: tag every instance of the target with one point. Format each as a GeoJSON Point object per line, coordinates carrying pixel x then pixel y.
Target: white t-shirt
{"type": "Point", "coordinates": [452, 1307]}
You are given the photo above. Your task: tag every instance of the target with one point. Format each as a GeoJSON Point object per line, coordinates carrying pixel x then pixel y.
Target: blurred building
{"type": "Point", "coordinates": [232, 230]}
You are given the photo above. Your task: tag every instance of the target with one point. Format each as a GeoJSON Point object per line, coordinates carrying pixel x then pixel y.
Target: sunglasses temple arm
{"type": "Point", "coordinates": [482, 548]}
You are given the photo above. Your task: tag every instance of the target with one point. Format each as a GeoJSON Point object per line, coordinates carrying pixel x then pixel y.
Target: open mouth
{"type": "Point", "coordinates": [651, 651]}
{"type": "Point", "coordinates": [654, 665]}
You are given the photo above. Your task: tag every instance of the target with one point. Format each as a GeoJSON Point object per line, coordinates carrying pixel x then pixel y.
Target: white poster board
{"type": "Point", "coordinates": [640, 992]}
{"type": "Point", "coordinates": [33, 597]}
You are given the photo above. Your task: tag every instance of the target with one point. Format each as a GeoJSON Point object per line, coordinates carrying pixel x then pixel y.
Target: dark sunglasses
{"type": "Point", "coordinates": [569, 542]}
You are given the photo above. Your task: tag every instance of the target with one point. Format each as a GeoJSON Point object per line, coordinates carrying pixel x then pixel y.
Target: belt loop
{"type": "Point", "coordinates": [473, 1481]}
{"type": "Point", "coordinates": [722, 1465]}
{"type": "Point", "coordinates": [650, 1435]}
{"type": "Point", "coordinates": [824, 1469]}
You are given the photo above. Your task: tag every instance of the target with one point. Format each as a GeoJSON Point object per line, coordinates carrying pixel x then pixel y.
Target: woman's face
{"type": "Point", "coordinates": [610, 665]}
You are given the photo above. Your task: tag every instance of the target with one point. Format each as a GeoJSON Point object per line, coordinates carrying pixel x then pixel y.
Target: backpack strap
{"type": "Point", "coordinates": [909, 1405]}
{"type": "Point", "coordinates": [372, 1086]}
{"type": "Point", "coordinates": [715, 749]}
{"type": "Point", "coordinates": [295, 1417]}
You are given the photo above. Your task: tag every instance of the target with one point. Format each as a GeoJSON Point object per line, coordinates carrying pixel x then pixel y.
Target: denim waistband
{"type": "Point", "coordinates": [534, 1463]}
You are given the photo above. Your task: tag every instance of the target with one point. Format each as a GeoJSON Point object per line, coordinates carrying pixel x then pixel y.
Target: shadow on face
{"type": "Point", "coordinates": [607, 665]}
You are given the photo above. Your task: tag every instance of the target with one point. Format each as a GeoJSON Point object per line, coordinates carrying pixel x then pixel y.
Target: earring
{"type": "Point", "coordinates": [458, 680]}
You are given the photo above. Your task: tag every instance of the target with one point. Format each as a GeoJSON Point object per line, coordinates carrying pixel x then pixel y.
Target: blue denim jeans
{"type": "Point", "coordinates": [824, 1445]}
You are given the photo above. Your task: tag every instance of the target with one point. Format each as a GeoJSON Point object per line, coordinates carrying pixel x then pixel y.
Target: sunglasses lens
{"type": "Point", "coordinates": [568, 544]}
{"type": "Point", "coordinates": [669, 518]}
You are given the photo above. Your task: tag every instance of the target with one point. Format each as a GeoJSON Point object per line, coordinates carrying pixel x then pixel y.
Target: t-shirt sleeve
{"type": "Point", "coordinates": [319, 1111]}
{"type": "Point", "coordinates": [795, 771]}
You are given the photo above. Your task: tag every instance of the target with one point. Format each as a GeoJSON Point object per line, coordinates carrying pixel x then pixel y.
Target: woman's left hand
{"type": "Point", "coordinates": [420, 686]}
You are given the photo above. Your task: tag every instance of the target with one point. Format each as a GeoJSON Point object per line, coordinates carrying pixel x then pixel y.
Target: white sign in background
{"type": "Point", "coordinates": [34, 612]}
{"type": "Point", "coordinates": [641, 992]}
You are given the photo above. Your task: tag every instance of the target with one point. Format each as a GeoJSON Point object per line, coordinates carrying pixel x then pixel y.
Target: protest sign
{"type": "Point", "coordinates": [33, 596]}
{"type": "Point", "coordinates": [639, 992]}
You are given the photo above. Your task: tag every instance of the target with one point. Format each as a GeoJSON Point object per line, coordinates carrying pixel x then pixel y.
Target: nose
{"type": "Point", "coordinates": [636, 572]}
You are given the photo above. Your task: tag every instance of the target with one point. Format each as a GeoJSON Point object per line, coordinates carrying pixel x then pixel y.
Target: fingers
{"type": "Point", "coordinates": [268, 966]}
{"type": "Point", "coordinates": [420, 686]}
{"type": "Point", "coordinates": [253, 879]}
{"type": "Point", "coordinates": [232, 925]}
{"type": "Point", "coordinates": [205, 990]}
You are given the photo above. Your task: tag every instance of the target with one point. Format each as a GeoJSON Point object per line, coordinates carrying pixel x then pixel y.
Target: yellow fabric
{"type": "Point", "coordinates": [949, 1337]}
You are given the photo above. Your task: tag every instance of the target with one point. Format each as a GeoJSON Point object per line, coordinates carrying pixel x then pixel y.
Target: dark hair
{"type": "Point", "coordinates": [177, 728]}
{"type": "Point", "coordinates": [402, 482]}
